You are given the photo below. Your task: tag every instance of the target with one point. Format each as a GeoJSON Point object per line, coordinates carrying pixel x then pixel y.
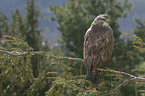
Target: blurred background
{"type": "Point", "coordinates": [50, 28]}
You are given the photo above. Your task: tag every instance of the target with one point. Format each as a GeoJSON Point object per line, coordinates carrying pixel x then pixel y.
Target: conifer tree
{"type": "Point", "coordinates": [31, 21]}
{"type": "Point", "coordinates": [3, 26]}
{"type": "Point", "coordinates": [16, 27]}
{"type": "Point", "coordinates": [25, 26]}
{"type": "Point", "coordinates": [140, 29]}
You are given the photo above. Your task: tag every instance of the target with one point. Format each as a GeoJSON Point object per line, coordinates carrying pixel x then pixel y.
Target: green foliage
{"type": "Point", "coordinates": [31, 22]}
{"type": "Point", "coordinates": [138, 43]}
{"type": "Point", "coordinates": [17, 79]}
{"type": "Point", "coordinates": [140, 35]}
{"type": "Point", "coordinates": [13, 74]}
{"type": "Point", "coordinates": [16, 27]}
{"type": "Point", "coordinates": [140, 30]}
{"type": "Point", "coordinates": [3, 25]}
{"type": "Point", "coordinates": [18, 42]}
{"type": "Point", "coordinates": [37, 85]}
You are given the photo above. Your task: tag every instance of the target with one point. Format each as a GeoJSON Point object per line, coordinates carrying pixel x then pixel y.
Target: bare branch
{"type": "Point", "coordinates": [127, 74]}
{"type": "Point", "coordinates": [14, 53]}
{"type": "Point", "coordinates": [126, 81]}
{"type": "Point", "coordinates": [139, 79]}
{"type": "Point", "coordinates": [70, 58]}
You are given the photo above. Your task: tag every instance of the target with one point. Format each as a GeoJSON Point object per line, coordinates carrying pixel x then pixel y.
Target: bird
{"type": "Point", "coordinates": [98, 47]}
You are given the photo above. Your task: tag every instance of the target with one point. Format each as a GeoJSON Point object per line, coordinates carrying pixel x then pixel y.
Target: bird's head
{"type": "Point", "coordinates": [102, 20]}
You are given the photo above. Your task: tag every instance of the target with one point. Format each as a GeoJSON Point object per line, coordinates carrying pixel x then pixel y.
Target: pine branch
{"type": "Point", "coordinates": [40, 52]}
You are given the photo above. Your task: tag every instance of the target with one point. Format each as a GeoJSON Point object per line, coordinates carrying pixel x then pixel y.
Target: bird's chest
{"type": "Point", "coordinates": [97, 35]}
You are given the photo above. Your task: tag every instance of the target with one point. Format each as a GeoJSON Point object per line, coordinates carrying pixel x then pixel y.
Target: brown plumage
{"type": "Point", "coordinates": [98, 47]}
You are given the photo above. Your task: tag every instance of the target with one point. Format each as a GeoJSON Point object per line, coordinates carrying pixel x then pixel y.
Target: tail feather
{"type": "Point", "coordinates": [93, 76]}
{"type": "Point", "coordinates": [89, 75]}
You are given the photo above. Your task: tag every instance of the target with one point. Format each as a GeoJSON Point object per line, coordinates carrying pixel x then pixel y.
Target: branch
{"type": "Point", "coordinates": [132, 78]}
{"type": "Point", "coordinates": [69, 58]}
{"type": "Point", "coordinates": [126, 81]}
{"type": "Point", "coordinates": [14, 53]}
{"type": "Point", "coordinates": [40, 52]}
{"type": "Point", "coordinates": [127, 74]}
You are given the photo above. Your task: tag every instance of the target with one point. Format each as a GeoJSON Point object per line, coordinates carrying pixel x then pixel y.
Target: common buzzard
{"type": "Point", "coordinates": [98, 47]}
